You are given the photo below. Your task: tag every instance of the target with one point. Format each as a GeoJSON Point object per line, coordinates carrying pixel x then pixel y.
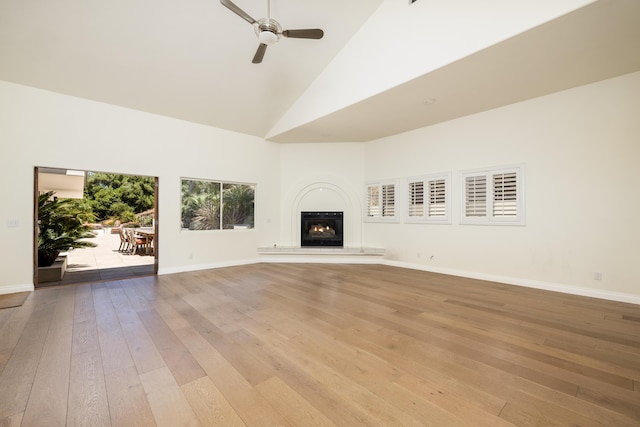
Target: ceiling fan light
{"type": "Point", "coordinates": [268, 37]}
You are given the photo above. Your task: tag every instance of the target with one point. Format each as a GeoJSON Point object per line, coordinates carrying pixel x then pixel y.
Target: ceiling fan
{"type": "Point", "coordinates": [269, 30]}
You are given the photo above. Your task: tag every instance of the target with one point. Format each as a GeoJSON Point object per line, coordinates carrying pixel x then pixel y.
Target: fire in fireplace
{"type": "Point", "coordinates": [321, 229]}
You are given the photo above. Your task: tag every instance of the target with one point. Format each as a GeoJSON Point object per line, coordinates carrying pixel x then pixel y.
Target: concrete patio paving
{"type": "Point", "coordinates": [104, 262]}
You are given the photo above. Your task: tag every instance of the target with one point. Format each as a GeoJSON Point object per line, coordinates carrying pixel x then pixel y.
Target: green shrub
{"type": "Point", "coordinates": [60, 228]}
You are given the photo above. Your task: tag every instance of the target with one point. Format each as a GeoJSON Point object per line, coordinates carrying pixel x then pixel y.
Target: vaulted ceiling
{"type": "Point", "coordinates": [192, 60]}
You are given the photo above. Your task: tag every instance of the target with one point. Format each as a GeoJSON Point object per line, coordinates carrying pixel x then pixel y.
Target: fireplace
{"type": "Point", "coordinates": [321, 229]}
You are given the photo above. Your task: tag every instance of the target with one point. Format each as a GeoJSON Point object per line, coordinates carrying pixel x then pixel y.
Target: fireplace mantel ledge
{"type": "Point", "coordinates": [316, 250]}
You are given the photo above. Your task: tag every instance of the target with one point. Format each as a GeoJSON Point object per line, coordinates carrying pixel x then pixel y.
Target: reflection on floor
{"type": "Point", "coordinates": [104, 262]}
{"type": "Point", "coordinates": [13, 300]}
{"type": "Point", "coordinates": [103, 274]}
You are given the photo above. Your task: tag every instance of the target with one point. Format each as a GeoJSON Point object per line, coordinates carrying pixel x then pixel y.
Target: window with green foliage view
{"type": "Point", "coordinates": [214, 205]}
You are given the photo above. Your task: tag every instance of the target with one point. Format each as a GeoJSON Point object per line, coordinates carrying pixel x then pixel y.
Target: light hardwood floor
{"type": "Point", "coordinates": [312, 345]}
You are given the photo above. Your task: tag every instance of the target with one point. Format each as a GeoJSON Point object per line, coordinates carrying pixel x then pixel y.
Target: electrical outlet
{"type": "Point", "coordinates": [597, 275]}
{"type": "Point", "coordinates": [13, 223]}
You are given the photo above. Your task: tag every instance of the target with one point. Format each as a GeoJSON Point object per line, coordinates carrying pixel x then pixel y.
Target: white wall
{"type": "Point", "coordinates": [39, 128]}
{"type": "Point", "coordinates": [581, 150]}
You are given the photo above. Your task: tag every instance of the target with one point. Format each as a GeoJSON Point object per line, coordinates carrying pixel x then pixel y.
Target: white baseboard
{"type": "Point", "coordinates": [536, 284]}
{"type": "Point", "coordinates": [14, 289]}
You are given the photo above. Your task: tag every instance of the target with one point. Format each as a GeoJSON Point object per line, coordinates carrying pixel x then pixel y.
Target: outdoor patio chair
{"type": "Point", "coordinates": [124, 240]}
{"type": "Point", "coordinates": [135, 241]}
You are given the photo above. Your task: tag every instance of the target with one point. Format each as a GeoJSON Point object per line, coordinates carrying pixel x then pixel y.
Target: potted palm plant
{"type": "Point", "coordinates": [60, 228]}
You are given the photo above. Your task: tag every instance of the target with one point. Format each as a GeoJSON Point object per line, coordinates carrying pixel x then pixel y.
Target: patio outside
{"type": "Point", "coordinates": [104, 262]}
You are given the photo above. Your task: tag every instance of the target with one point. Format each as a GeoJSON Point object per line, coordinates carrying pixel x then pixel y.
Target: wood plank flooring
{"type": "Point", "coordinates": [317, 345]}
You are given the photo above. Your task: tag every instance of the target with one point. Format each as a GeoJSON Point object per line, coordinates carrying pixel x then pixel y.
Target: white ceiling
{"type": "Point", "coordinates": [599, 41]}
{"type": "Point", "coordinates": [192, 60]}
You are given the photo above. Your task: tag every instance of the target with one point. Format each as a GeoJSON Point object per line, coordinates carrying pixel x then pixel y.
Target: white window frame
{"type": "Point", "coordinates": [377, 208]}
{"type": "Point", "coordinates": [431, 211]}
{"type": "Point", "coordinates": [504, 202]}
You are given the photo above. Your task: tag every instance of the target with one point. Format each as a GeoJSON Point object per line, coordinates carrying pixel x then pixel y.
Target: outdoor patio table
{"type": "Point", "coordinates": [148, 233]}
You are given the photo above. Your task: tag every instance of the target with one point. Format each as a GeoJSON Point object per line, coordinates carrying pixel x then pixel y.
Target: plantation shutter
{"type": "Point", "coordinates": [493, 196]}
{"type": "Point", "coordinates": [505, 194]}
{"type": "Point", "coordinates": [373, 201]}
{"type": "Point", "coordinates": [381, 201]}
{"type": "Point", "coordinates": [388, 200]}
{"type": "Point", "coordinates": [416, 199]}
{"type": "Point", "coordinates": [437, 198]}
{"type": "Point", "coordinates": [476, 196]}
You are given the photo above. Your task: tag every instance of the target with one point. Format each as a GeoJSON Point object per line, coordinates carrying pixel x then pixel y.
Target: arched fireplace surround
{"type": "Point", "coordinates": [325, 196]}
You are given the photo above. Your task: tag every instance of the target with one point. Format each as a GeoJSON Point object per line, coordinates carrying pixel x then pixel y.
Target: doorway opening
{"type": "Point", "coordinates": [94, 226]}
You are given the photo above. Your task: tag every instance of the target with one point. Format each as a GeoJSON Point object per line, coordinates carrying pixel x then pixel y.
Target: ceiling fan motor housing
{"type": "Point", "coordinates": [268, 30]}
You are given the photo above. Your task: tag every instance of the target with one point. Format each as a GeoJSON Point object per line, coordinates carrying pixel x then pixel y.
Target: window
{"type": "Point", "coordinates": [428, 199]}
{"type": "Point", "coordinates": [381, 201]}
{"type": "Point", "coordinates": [493, 196]}
{"type": "Point", "coordinates": [505, 195]}
{"type": "Point", "coordinates": [373, 201]}
{"type": "Point", "coordinates": [211, 205]}
{"type": "Point", "coordinates": [475, 188]}
{"type": "Point", "coordinates": [416, 199]}
{"type": "Point", "coordinates": [388, 200]}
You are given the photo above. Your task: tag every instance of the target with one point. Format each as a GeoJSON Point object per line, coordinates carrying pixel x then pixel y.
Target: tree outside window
{"type": "Point", "coordinates": [214, 205]}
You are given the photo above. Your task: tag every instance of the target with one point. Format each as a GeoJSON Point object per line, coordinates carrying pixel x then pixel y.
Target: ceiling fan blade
{"type": "Point", "coordinates": [235, 9]}
{"type": "Point", "coordinates": [257, 58]}
{"type": "Point", "coordinates": [314, 33]}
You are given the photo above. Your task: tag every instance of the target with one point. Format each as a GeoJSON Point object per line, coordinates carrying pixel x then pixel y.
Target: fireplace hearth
{"type": "Point", "coordinates": [321, 229]}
